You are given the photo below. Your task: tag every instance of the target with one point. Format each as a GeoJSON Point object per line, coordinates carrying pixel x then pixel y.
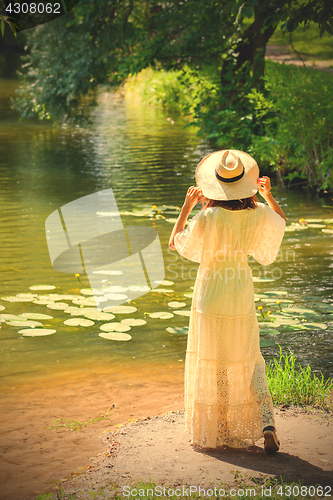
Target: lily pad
{"type": "Point", "coordinates": [51, 297]}
{"type": "Point", "coordinates": [324, 307]}
{"type": "Point", "coordinates": [7, 316]}
{"type": "Point", "coordinates": [115, 327]}
{"type": "Point", "coordinates": [161, 315]}
{"type": "Point", "coordinates": [115, 336]}
{"type": "Point", "coordinates": [276, 292]}
{"type": "Point", "coordinates": [42, 287]}
{"type": "Point", "coordinates": [314, 220]}
{"type": "Point", "coordinates": [98, 315]}
{"type": "Point", "coordinates": [162, 290]}
{"type": "Point", "coordinates": [18, 299]}
{"type": "Point", "coordinates": [2, 308]}
{"type": "Point", "coordinates": [133, 322]}
{"type": "Point", "coordinates": [57, 305]}
{"type": "Point", "coordinates": [305, 326]}
{"type": "Point", "coordinates": [76, 311]}
{"type": "Point", "coordinates": [164, 282]}
{"type": "Point", "coordinates": [328, 221]}
{"type": "Point", "coordinates": [115, 288]}
{"type": "Point", "coordinates": [188, 295]}
{"type": "Point", "coordinates": [36, 316]}
{"type": "Point", "coordinates": [178, 330]}
{"type": "Point", "coordinates": [269, 331]}
{"type": "Point", "coordinates": [43, 302]}
{"type": "Point", "coordinates": [176, 304]}
{"type": "Point", "coordinates": [85, 302]}
{"type": "Point", "coordinates": [172, 220]}
{"type": "Point", "coordinates": [27, 295]}
{"type": "Point", "coordinates": [329, 231]}
{"type": "Point", "coordinates": [282, 320]}
{"type": "Point", "coordinates": [314, 298]}
{"type": "Point", "coordinates": [78, 322]}
{"type": "Point", "coordinates": [36, 332]}
{"type": "Point", "coordinates": [139, 288]}
{"type": "Point", "coordinates": [183, 313]}
{"type": "Point", "coordinates": [316, 225]}
{"type": "Point", "coordinates": [300, 310]}
{"type": "Point", "coordinates": [23, 322]}
{"type": "Point", "coordinates": [109, 272]}
{"type": "Point", "coordinates": [86, 291]}
{"type": "Point", "coordinates": [120, 309]}
{"type": "Point", "coordinates": [266, 342]}
{"type": "Point", "coordinates": [116, 296]}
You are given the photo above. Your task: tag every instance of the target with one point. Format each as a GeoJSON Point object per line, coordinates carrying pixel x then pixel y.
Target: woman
{"type": "Point", "coordinates": [227, 401]}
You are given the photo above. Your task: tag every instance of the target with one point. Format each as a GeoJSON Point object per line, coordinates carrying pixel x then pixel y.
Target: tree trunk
{"type": "Point", "coordinates": [251, 48]}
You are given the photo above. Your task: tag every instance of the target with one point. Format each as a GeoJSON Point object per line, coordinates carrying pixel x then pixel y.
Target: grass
{"type": "Point", "coordinates": [75, 425]}
{"type": "Point", "coordinates": [307, 42]}
{"type": "Point", "coordinates": [239, 490]}
{"type": "Point", "coordinates": [292, 384]}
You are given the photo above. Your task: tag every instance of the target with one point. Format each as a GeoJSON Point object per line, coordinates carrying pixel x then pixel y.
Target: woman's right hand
{"type": "Point", "coordinates": [193, 196]}
{"type": "Point", "coordinates": [264, 186]}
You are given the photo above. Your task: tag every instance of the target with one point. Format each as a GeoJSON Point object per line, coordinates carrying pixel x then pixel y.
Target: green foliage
{"type": "Point", "coordinates": [298, 124]}
{"type": "Point", "coordinates": [307, 42]}
{"type": "Point", "coordinates": [67, 58]}
{"type": "Point", "coordinates": [291, 384]}
{"type": "Point", "coordinates": [287, 128]}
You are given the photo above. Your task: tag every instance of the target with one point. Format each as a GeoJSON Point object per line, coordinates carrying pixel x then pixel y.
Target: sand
{"type": "Point", "coordinates": [34, 457]}
{"type": "Point", "coordinates": [39, 456]}
{"type": "Point", "coordinates": [157, 448]}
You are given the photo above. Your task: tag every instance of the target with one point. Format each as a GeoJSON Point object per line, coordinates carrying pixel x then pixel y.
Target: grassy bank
{"type": "Point", "coordinates": [291, 384]}
{"type": "Point", "coordinates": [289, 128]}
{"type": "Point", "coordinates": [240, 490]}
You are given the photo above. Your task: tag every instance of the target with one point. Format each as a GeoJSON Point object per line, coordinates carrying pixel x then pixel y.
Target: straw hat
{"type": "Point", "coordinates": [227, 175]}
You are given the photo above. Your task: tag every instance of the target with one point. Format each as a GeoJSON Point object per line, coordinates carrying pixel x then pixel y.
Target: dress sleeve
{"type": "Point", "coordinates": [269, 238]}
{"type": "Point", "coordinates": [189, 242]}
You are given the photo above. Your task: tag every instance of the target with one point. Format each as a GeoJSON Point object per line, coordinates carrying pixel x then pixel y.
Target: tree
{"type": "Point", "coordinates": [102, 41]}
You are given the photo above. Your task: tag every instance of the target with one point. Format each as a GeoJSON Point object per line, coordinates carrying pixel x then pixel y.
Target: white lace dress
{"type": "Point", "coordinates": [227, 402]}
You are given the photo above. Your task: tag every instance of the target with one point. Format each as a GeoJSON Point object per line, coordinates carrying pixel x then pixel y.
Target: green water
{"type": "Point", "coordinates": [145, 159]}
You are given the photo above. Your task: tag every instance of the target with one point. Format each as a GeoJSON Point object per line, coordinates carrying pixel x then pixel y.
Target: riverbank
{"type": "Point", "coordinates": [157, 449]}
{"type": "Point", "coordinates": [41, 436]}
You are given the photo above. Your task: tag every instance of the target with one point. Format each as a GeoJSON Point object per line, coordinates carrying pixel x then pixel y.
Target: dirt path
{"type": "Point", "coordinates": [158, 448]}
{"type": "Point", "coordinates": [288, 56]}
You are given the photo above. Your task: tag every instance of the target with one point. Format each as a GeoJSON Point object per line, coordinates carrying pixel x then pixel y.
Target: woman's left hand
{"type": "Point", "coordinates": [193, 196]}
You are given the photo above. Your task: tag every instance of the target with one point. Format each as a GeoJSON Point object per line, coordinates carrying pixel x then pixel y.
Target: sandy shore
{"type": "Point", "coordinates": [41, 453]}
{"type": "Point", "coordinates": [158, 449]}
{"type": "Point", "coordinates": [37, 452]}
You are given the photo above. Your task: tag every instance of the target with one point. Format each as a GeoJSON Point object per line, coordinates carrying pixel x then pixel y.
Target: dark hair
{"type": "Point", "coordinates": [234, 204]}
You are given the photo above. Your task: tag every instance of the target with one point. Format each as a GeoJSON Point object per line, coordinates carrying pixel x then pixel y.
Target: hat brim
{"type": "Point", "coordinates": [215, 189]}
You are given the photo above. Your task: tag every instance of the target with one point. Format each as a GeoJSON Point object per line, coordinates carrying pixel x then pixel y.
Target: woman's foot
{"type": "Point", "coordinates": [272, 444]}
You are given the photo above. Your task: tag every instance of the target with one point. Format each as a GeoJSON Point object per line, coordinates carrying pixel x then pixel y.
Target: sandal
{"type": "Point", "coordinates": [272, 444]}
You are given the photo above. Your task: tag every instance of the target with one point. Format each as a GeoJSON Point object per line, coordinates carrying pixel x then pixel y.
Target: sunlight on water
{"type": "Point", "coordinates": [147, 160]}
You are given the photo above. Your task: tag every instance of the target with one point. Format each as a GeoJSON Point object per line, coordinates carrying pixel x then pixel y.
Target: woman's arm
{"type": "Point", "coordinates": [265, 191]}
{"type": "Point", "coordinates": [193, 196]}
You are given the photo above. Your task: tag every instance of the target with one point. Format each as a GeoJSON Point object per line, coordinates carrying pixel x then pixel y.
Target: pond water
{"type": "Point", "coordinates": [147, 157]}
